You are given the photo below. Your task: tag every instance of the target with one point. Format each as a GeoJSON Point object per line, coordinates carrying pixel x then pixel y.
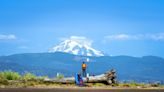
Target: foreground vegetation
{"type": "Point", "coordinates": [9, 79]}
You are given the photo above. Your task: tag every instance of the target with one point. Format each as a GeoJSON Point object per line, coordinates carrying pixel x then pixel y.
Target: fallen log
{"type": "Point", "coordinates": [108, 78]}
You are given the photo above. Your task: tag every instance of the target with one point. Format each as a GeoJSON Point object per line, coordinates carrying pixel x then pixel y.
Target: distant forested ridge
{"type": "Point", "coordinates": [147, 68]}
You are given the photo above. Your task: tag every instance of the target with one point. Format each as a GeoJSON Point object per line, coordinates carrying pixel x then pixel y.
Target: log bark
{"type": "Point", "coordinates": [108, 78]}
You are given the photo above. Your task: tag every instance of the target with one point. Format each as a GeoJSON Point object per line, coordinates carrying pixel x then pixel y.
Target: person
{"type": "Point", "coordinates": [79, 79]}
{"type": "Point", "coordinates": [84, 66]}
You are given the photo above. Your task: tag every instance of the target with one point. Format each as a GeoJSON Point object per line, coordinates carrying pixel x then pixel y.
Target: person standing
{"type": "Point", "coordinates": [84, 67]}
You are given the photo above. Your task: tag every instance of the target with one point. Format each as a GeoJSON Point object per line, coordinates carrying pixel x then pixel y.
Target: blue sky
{"type": "Point", "coordinates": [116, 27]}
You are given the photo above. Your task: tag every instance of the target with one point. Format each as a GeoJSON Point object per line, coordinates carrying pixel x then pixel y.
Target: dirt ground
{"type": "Point", "coordinates": [76, 90]}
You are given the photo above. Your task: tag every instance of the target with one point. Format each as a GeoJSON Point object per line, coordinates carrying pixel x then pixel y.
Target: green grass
{"type": "Point", "coordinates": [14, 79]}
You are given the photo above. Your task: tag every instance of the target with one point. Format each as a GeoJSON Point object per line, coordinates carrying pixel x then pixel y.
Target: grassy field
{"type": "Point", "coordinates": [9, 79]}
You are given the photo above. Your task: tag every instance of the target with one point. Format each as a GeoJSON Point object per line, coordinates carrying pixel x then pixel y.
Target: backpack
{"type": "Point", "coordinates": [84, 66]}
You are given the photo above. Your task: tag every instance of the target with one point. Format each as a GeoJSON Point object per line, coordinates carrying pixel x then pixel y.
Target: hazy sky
{"type": "Point", "coordinates": [116, 27]}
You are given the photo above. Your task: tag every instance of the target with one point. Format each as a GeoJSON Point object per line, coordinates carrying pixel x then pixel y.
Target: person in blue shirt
{"type": "Point", "coordinates": [78, 79]}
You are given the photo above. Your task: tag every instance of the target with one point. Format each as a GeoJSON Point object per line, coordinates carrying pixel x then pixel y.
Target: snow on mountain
{"type": "Point", "coordinates": [76, 47]}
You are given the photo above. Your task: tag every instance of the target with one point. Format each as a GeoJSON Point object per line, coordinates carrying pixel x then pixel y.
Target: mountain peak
{"type": "Point", "coordinates": [76, 47]}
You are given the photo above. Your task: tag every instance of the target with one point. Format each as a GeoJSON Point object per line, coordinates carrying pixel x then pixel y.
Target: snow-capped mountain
{"type": "Point", "coordinates": [77, 48]}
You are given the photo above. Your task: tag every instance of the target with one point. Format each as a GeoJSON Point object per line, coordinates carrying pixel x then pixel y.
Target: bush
{"type": "Point", "coordinates": [9, 75]}
{"type": "Point", "coordinates": [126, 85]}
{"type": "Point", "coordinates": [155, 85]}
{"type": "Point", "coordinates": [42, 77]}
{"type": "Point", "coordinates": [29, 76]}
{"type": "Point", "coordinates": [60, 76]}
{"type": "Point", "coordinates": [133, 84]}
{"type": "Point", "coordinates": [3, 80]}
{"type": "Point", "coordinates": [2, 76]}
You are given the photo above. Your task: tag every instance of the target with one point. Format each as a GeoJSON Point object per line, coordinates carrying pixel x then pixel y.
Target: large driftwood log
{"type": "Point", "coordinates": [108, 78]}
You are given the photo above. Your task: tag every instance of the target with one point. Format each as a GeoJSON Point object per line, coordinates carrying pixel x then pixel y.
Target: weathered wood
{"type": "Point", "coordinates": [108, 77]}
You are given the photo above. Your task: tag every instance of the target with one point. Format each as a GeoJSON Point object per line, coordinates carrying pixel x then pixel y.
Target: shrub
{"type": "Point", "coordinates": [60, 76]}
{"type": "Point", "coordinates": [126, 85]}
{"type": "Point", "coordinates": [155, 85]}
{"type": "Point", "coordinates": [9, 75]}
{"type": "Point", "coordinates": [1, 76]}
{"type": "Point", "coordinates": [42, 77]}
{"type": "Point", "coordinates": [29, 76]}
{"type": "Point", "coordinates": [3, 80]}
{"type": "Point", "coordinates": [133, 84]}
